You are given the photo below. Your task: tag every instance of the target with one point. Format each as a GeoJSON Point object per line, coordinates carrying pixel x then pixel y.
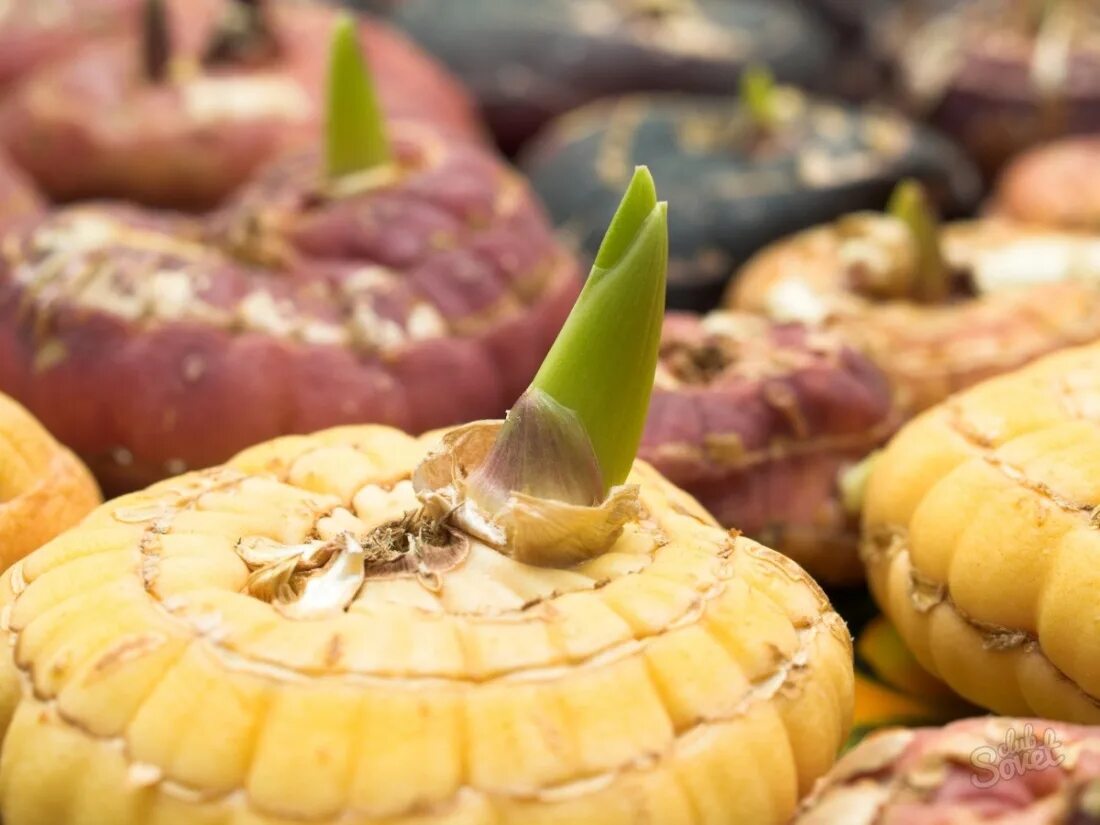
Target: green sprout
{"type": "Point", "coordinates": [356, 131]}
{"type": "Point", "coordinates": [910, 204]}
{"type": "Point", "coordinates": [575, 432]}
{"type": "Point", "coordinates": [603, 362]}
{"type": "Point", "coordinates": [758, 96]}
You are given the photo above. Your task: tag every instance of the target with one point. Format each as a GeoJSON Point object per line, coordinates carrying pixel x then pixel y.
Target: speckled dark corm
{"type": "Point", "coordinates": [425, 295]}
{"type": "Point", "coordinates": [736, 188]}
{"type": "Point", "coordinates": [530, 60]}
{"type": "Point", "coordinates": [760, 421]}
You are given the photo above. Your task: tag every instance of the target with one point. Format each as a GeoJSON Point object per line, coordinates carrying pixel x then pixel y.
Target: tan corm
{"type": "Point", "coordinates": [325, 631]}
{"type": "Point", "coordinates": [980, 539]}
{"type": "Point", "coordinates": [1010, 293]}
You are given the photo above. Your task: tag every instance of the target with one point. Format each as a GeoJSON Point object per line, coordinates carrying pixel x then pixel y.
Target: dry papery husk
{"type": "Point", "coordinates": [531, 530]}
{"type": "Point", "coordinates": [322, 577]}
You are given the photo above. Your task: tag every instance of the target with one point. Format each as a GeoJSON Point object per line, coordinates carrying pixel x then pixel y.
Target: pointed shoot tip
{"type": "Point", "coordinates": [911, 205]}
{"type": "Point", "coordinates": [909, 196]}
{"type": "Point", "coordinates": [344, 35]}
{"type": "Point", "coordinates": [603, 362]}
{"type": "Point", "coordinates": [636, 204]}
{"type": "Point", "coordinates": [356, 137]}
{"type": "Point", "coordinates": [575, 432]}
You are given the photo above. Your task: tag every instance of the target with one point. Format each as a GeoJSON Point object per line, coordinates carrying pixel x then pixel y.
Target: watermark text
{"type": "Point", "coordinates": [1021, 752]}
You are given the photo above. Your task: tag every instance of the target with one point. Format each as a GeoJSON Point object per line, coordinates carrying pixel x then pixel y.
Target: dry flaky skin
{"type": "Point", "coordinates": [1055, 184]}
{"type": "Point", "coordinates": [980, 539]}
{"type": "Point", "coordinates": [959, 775]}
{"type": "Point", "coordinates": [91, 126]}
{"type": "Point", "coordinates": [36, 32]}
{"type": "Point", "coordinates": [1018, 293]}
{"type": "Point", "coordinates": [44, 489]}
{"type": "Point", "coordinates": [686, 675]}
{"type": "Point", "coordinates": [429, 299]}
{"type": "Point", "coordinates": [759, 422]}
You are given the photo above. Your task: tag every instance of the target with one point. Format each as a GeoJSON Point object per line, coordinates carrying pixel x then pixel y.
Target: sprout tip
{"type": "Point", "coordinates": [355, 130]}
{"type": "Point", "coordinates": [758, 96]}
{"type": "Point", "coordinates": [910, 204]}
{"type": "Point", "coordinates": [574, 434]}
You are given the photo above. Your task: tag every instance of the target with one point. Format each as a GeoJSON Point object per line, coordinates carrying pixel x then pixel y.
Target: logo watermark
{"type": "Point", "coordinates": [1020, 753]}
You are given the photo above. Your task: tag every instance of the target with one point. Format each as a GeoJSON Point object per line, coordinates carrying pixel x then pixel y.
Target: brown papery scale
{"type": "Point", "coordinates": [558, 524]}
{"type": "Point", "coordinates": [563, 467]}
